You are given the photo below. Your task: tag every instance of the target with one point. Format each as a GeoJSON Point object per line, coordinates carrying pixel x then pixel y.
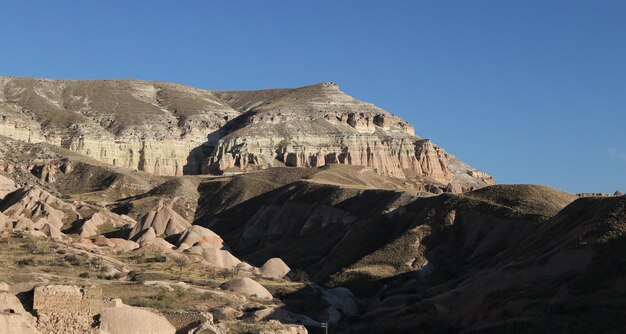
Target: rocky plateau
{"type": "Point", "coordinates": [173, 130]}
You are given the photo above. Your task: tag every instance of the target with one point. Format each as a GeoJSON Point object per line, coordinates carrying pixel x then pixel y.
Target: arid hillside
{"type": "Point", "coordinates": [132, 207]}
{"type": "Point", "coordinates": [170, 130]}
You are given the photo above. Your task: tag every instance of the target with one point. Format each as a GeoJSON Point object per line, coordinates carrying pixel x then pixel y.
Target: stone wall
{"type": "Point", "coordinates": [67, 309]}
{"type": "Point", "coordinates": [67, 299]}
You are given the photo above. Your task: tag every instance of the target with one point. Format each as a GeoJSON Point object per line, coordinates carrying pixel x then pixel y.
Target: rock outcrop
{"type": "Point", "coordinates": [14, 319]}
{"type": "Point", "coordinates": [146, 126]}
{"type": "Point", "coordinates": [104, 218]}
{"type": "Point", "coordinates": [46, 170]}
{"type": "Point", "coordinates": [248, 287]}
{"type": "Point", "coordinates": [163, 221]}
{"type": "Point", "coordinates": [274, 268]}
{"type": "Point", "coordinates": [133, 320]}
{"type": "Point", "coordinates": [200, 236]}
{"type": "Point", "coordinates": [34, 209]}
{"type": "Point", "coordinates": [169, 129]}
{"type": "Point", "coordinates": [217, 257]}
{"type": "Point", "coordinates": [6, 186]}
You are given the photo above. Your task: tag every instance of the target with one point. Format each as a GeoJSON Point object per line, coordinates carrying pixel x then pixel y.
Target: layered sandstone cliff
{"type": "Point", "coordinates": [317, 125]}
{"type": "Point", "coordinates": [169, 129]}
{"type": "Point", "coordinates": [152, 127]}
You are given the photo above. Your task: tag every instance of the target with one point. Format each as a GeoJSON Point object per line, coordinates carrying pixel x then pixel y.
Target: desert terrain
{"type": "Point", "coordinates": [129, 207]}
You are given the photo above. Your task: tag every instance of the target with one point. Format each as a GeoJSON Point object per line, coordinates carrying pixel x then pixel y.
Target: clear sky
{"type": "Point", "coordinates": [531, 91]}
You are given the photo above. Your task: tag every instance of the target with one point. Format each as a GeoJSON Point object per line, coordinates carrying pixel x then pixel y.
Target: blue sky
{"type": "Point", "coordinates": [529, 91]}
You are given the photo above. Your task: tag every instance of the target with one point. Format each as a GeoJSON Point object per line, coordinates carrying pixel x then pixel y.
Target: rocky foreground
{"type": "Point", "coordinates": [278, 237]}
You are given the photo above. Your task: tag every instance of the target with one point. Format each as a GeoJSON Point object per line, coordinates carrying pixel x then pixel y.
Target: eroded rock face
{"type": "Point", "coordinates": [140, 125]}
{"type": "Point", "coordinates": [169, 129]}
{"type": "Point", "coordinates": [91, 227]}
{"type": "Point", "coordinates": [47, 170]}
{"type": "Point", "coordinates": [34, 209]}
{"type": "Point", "coordinates": [14, 319]}
{"type": "Point", "coordinates": [197, 235]}
{"type": "Point", "coordinates": [163, 221]}
{"type": "Point", "coordinates": [6, 186]}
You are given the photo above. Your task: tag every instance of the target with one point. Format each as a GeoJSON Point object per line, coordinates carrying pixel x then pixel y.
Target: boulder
{"type": "Point", "coordinates": [248, 287]}
{"type": "Point", "coordinates": [125, 245]}
{"type": "Point", "coordinates": [132, 320]}
{"type": "Point", "coordinates": [24, 223]}
{"type": "Point", "coordinates": [280, 314]}
{"type": "Point", "coordinates": [198, 235]}
{"type": "Point", "coordinates": [276, 327]}
{"type": "Point", "coordinates": [206, 327]}
{"type": "Point", "coordinates": [217, 257]}
{"type": "Point", "coordinates": [10, 304]}
{"type": "Point", "coordinates": [104, 242]}
{"type": "Point", "coordinates": [13, 317]}
{"type": "Point", "coordinates": [274, 268]}
{"type": "Point", "coordinates": [226, 313]}
{"type": "Point", "coordinates": [155, 244]}
{"type": "Point", "coordinates": [51, 231]}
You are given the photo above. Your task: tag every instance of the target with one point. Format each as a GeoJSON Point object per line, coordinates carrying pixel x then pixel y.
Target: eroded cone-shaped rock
{"type": "Point", "coordinates": [35, 203]}
{"type": "Point", "coordinates": [10, 304]}
{"type": "Point", "coordinates": [87, 229]}
{"type": "Point", "coordinates": [13, 318]}
{"type": "Point", "coordinates": [24, 223]}
{"type": "Point", "coordinates": [155, 244]}
{"type": "Point", "coordinates": [51, 231]}
{"type": "Point", "coordinates": [104, 242]}
{"type": "Point", "coordinates": [279, 314]}
{"type": "Point", "coordinates": [6, 186]}
{"type": "Point", "coordinates": [216, 257]}
{"type": "Point", "coordinates": [5, 222]}
{"type": "Point", "coordinates": [248, 287]}
{"type": "Point", "coordinates": [164, 220]}
{"type": "Point", "coordinates": [274, 268]}
{"type": "Point", "coordinates": [198, 235]}
{"type": "Point", "coordinates": [132, 320]}
{"type": "Point", "coordinates": [91, 227]}
{"type": "Point", "coordinates": [147, 236]}
{"type": "Point", "coordinates": [125, 245]}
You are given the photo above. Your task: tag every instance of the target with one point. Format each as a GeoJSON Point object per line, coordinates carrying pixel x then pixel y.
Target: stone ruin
{"type": "Point", "coordinates": [72, 309]}
{"type": "Point", "coordinates": [67, 308]}
{"type": "Point", "coordinates": [67, 299]}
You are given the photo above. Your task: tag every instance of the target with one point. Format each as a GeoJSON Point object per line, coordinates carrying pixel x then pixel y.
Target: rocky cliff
{"type": "Point", "coordinates": [169, 129]}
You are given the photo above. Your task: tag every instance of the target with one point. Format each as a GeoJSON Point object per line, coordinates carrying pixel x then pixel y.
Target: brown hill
{"type": "Point", "coordinates": [169, 129]}
{"type": "Point", "coordinates": [552, 281]}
